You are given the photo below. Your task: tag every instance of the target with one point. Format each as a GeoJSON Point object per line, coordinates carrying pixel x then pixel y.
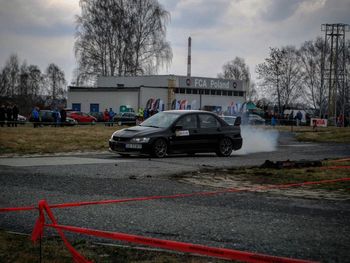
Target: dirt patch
{"type": "Point", "coordinates": [253, 179]}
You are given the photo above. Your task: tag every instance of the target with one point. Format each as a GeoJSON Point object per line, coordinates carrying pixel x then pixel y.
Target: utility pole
{"type": "Point", "coordinates": [333, 68]}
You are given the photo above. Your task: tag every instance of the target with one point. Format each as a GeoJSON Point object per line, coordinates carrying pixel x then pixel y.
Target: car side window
{"type": "Point", "coordinates": [208, 121]}
{"type": "Point", "coordinates": [188, 122]}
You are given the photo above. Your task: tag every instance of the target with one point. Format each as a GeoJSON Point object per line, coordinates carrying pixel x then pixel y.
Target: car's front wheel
{"type": "Point", "coordinates": [225, 147]}
{"type": "Point", "coordinates": [159, 148]}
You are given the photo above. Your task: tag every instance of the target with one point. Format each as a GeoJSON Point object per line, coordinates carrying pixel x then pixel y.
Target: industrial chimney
{"type": "Point", "coordinates": [189, 58]}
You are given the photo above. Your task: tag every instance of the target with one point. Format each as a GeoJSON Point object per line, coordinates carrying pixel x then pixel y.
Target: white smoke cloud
{"type": "Point", "coordinates": [257, 139]}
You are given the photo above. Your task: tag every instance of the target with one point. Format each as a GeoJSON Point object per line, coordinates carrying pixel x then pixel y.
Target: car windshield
{"type": "Point", "coordinates": [160, 120]}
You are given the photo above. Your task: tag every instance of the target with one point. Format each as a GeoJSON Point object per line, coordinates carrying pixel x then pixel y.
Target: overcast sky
{"type": "Point", "coordinates": [42, 31]}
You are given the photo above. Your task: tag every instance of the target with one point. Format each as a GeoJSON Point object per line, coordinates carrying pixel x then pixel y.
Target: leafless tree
{"type": "Point", "coordinates": [121, 37]}
{"type": "Point", "coordinates": [237, 69]}
{"type": "Point", "coordinates": [56, 81]}
{"type": "Point", "coordinates": [35, 80]}
{"type": "Point", "coordinates": [311, 66]}
{"type": "Point", "coordinates": [281, 76]}
{"type": "Point", "coordinates": [11, 75]}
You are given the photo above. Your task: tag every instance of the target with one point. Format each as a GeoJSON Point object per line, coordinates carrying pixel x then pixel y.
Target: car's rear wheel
{"type": "Point", "coordinates": [159, 148]}
{"type": "Point", "coordinates": [225, 147]}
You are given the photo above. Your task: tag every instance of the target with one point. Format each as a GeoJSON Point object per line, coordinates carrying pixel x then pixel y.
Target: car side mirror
{"type": "Point", "coordinates": [237, 121]}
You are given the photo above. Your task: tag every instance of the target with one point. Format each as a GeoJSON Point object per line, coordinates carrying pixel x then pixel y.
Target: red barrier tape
{"type": "Point", "coordinates": [38, 231]}
{"type": "Point", "coordinates": [159, 243]}
{"type": "Point", "coordinates": [221, 253]}
{"type": "Point", "coordinates": [335, 167]}
{"type": "Point", "coordinates": [137, 199]}
{"type": "Point", "coordinates": [340, 160]}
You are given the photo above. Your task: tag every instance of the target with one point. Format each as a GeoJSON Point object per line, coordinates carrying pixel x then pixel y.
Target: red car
{"type": "Point", "coordinates": [81, 117]}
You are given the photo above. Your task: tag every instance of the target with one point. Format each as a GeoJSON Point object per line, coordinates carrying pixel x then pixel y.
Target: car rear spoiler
{"type": "Point", "coordinates": [237, 121]}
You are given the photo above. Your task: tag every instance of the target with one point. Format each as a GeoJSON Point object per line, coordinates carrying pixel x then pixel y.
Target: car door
{"type": "Point", "coordinates": [185, 134]}
{"type": "Point", "coordinates": [209, 132]}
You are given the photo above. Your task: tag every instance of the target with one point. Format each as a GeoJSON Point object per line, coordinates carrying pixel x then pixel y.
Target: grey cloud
{"type": "Point", "coordinates": [33, 18]}
{"type": "Point", "coordinates": [199, 16]}
{"type": "Point", "coordinates": [278, 10]}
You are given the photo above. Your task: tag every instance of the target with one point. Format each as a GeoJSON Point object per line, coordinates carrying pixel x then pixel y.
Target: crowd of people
{"type": "Point", "coordinates": [58, 117]}
{"type": "Point", "coordinates": [9, 115]}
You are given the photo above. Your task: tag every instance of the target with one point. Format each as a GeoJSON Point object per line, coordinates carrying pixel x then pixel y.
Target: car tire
{"type": "Point", "coordinates": [159, 148]}
{"type": "Point", "coordinates": [225, 147]}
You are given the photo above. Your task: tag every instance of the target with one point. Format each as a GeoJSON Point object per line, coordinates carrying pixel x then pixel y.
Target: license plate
{"type": "Point", "coordinates": [133, 146]}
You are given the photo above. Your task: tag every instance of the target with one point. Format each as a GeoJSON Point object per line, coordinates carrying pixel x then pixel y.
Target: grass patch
{"type": "Point", "coordinates": [321, 134]}
{"type": "Point", "coordinates": [256, 176]}
{"type": "Point", "coordinates": [19, 248]}
{"type": "Point", "coordinates": [268, 176]}
{"type": "Point", "coordinates": [29, 140]}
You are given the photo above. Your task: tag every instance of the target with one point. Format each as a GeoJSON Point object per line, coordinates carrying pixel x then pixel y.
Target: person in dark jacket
{"type": "Point", "coordinates": [2, 115]}
{"type": "Point", "coordinates": [9, 118]}
{"type": "Point", "coordinates": [63, 116]}
{"type": "Point", "coordinates": [15, 113]}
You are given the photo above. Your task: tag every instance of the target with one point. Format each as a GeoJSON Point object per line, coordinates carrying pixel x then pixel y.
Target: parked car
{"type": "Point", "coordinates": [254, 119]}
{"type": "Point", "coordinates": [81, 117]}
{"type": "Point", "coordinates": [21, 119]}
{"type": "Point", "coordinates": [70, 121]}
{"type": "Point", "coordinates": [98, 116]}
{"type": "Point", "coordinates": [128, 118]}
{"type": "Point", "coordinates": [178, 131]}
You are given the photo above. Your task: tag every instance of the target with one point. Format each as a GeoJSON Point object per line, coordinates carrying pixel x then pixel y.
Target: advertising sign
{"type": "Point", "coordinates": [318, 122]}
{"type": "Point", "coordinates": [210, 83]}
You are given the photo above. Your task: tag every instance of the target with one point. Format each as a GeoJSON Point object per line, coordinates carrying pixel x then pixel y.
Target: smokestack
{"type": "Point", "coordinates": [189, 58]}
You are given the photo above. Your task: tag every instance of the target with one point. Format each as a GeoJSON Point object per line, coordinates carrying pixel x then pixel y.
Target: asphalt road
{"type": "Point", "coordinates": [257, 222]}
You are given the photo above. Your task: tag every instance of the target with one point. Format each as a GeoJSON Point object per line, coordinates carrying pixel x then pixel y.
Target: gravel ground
{"type": "Point", "coordinates": [314, 229]}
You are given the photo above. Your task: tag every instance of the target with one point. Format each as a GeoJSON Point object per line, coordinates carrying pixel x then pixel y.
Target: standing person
{"type": "Point", "coordinates": [2, 115]}
{"type": "Point", "coordinates": [15, 113]}
{"type": "Point", "coordinates": [299, 117]}
{"type": "Point", "coordinates": [111, 116]}
{"type": "Point", "coordinates": [35, 116]}
{"type": "Point", "coordinates": [106, 117]}
{"type": "Point", "coordinates": [63, 116]}
{"type": "Point", "coordinates": [273, 121]}
{"type": "Point", "coordinates": [9, 115]}
{"type": "Point", "coordinates": [58, 118]}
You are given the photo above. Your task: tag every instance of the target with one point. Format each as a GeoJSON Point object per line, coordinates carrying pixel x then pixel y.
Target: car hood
{"type": "Point", "coordinates": [138, 131]}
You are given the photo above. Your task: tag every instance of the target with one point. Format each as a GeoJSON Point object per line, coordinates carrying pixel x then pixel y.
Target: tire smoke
{"type": "Point", "coordinates": [257, 140]}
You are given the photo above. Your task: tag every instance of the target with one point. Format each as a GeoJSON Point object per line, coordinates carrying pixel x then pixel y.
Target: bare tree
{"type": "Point", "coordinates": [56, 81]}
{"type": "Point", "coordinates": [23, 80]}
{"type": "Point", "coordinates": [35, 80]}
{"type": "Point", "coordinates": [237, 69]}
{"type": "Point", "coordinates": [11, 73]}
{"type": "Point", "coordinates": [281, 76]}
{"type": "Point", "coordinates": [311, 64]}
{"type": "Point", "coordinates": [121, 37]}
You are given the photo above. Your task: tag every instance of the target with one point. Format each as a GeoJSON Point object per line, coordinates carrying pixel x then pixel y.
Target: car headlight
{"type": "Point", "coordinates": [114, 134]}
{"type": "Point", "coordinates": [140, 140]}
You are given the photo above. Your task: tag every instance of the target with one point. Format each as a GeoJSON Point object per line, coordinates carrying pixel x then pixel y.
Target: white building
{"type": "Point", "coordinates": [159, 92]}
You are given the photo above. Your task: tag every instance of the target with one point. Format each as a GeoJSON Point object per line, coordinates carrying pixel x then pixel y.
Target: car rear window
{"type": "Point", "coordinates": [208, 121]}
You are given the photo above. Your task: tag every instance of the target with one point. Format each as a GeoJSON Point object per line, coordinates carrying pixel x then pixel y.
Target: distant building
{"type": "Point", "coordinates": [158, 92]}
